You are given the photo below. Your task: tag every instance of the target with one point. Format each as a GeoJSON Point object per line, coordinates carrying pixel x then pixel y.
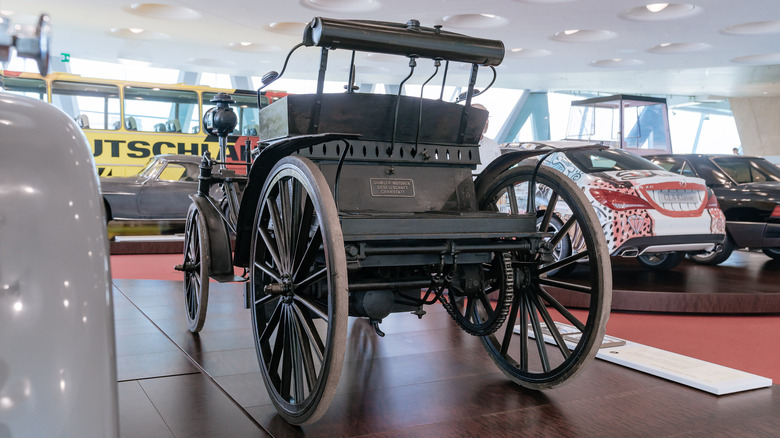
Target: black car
{"type": "Point", "coordinates": [748, 191]}
{"type": "Point", "coordinates": [159, 191]}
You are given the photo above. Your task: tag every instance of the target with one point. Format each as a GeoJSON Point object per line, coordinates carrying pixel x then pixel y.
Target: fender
{"type": "Point", "coordinates": [509, 159]}
{"type": "Point", "coordinates": [261, 167]}
{"type": "Point", "coordinates": [501, 165]}
{"type": "Point", "coordinates": [220, 266]}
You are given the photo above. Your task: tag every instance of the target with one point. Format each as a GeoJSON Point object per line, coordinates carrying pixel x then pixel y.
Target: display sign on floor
{"type": "Point", "coordinates": [705, 376]}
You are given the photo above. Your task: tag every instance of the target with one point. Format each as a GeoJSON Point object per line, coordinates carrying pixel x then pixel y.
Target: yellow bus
{"type": "Point", "coordinates": [128, 122]}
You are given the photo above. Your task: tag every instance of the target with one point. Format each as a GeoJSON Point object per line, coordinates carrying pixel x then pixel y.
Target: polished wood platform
{"type": "Point", "coordinates": [426, 378]}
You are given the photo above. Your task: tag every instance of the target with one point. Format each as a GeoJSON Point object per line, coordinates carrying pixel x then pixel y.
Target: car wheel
{"type": "Point", "coordinates": [772, 252]}
{"type": "Point", "coordinates": [715, 258]}
{"type": "Point", "coordinates": [663, 261]}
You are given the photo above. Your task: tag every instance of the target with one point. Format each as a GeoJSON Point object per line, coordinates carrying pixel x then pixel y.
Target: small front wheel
{"type": "Point", "coordinates": [197, 257]}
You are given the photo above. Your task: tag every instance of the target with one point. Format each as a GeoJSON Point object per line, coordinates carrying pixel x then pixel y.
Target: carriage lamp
{"type": "Point", "coordinates": [220, 120]}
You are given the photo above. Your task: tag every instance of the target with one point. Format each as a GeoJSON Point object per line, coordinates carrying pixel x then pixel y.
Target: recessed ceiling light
{"type": "Point", "coordinates": [286, 27]}
{"type": "Point", "coordinates": [248, 46]}
{"type": "Point", "coordinates": [661, 11]}
{"type": "Point", "coordinates": [522, 52]}
{"type": "Point", "coordinates": [341, 5]}
{"type": "Point", "coordinates": [474, 21]}
{"type": "Point", "coordinates": [763, 59]}
{"type": "Point", "coordinates": [616, 63]}
{"type": "Point", "coordinates": [583, 35]}
{"type": "Point", "coordinates": [679, 47]}
{"type": "Point", "coordinates": [754, 28]}
{"type": "Point", "coordinates": [6, 12]}
{"type": "Point", "coordinates": [138, 33]}
{"type": "Point", "coordinates": [657, 7]}
{"type": "Point", "coordinates": [166, 12]}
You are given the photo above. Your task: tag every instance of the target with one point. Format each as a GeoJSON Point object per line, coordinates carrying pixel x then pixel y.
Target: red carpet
{"type": "Point", "coordinates": [746, 343]}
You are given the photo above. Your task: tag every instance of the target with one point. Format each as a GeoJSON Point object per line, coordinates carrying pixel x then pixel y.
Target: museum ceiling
{"type": "Point", "coordinates": [705, 48]}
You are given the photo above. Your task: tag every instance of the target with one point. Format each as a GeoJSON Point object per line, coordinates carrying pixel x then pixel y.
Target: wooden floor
{"type": "Point", "coordinates": [426, 378]}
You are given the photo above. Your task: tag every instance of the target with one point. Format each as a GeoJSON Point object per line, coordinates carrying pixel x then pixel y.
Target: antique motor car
{"type": "Point", "coordinates": [646, 212]}
{"type": "Point", "coordinates": [748, 191]}
{"type": "Point", "coordinates": [364, 205]}
{"type": "Point", "coordinates": [159, 191]}
{"type": "Point", "coordinates": [57, 355]}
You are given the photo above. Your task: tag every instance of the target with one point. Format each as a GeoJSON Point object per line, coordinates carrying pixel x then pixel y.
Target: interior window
{"type": "Point", "coordinates": [158, 110]}
{"type": "Point", "coordinates": [93, 106]}
{"type": "Point", "coordinates": [35, 88]}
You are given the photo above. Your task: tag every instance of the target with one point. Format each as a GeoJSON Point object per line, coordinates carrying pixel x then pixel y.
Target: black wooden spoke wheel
{"type": "Point", "coordinates": [540, 303]}
{"type": "Point", "coordinates": [299, 290]}
{"type": "Point", "coordinates": [196, 269]}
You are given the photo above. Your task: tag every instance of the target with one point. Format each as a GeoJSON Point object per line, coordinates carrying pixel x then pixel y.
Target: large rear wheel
{"type": "Point", "coordinates": [554, 327]}
{"type": "Point", "coordinates": [299, 290]}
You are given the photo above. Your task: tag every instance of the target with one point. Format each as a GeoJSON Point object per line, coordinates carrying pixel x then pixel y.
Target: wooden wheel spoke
{"type": "Point", "coordinates": [272, 323]}
{"type": "Point", "coordinates": [268, 271]}
{"type": "Point", "coordinates": [553, 329]}
{"type": "Point", "coordinates": [556, 239]}
{"type": "Point", "coordinates": [296, 357]}
{"type": "Point", "coordinates": [287, 216]}
{"type": "Point", "coordinates": [538, 335]}
{"type": "Point", "coordinates": [311, 306]}
{"type": "Point", "coordinates": [563, 262]}
{"type": "Point", "coordinates": [274, 354]}
{"type": "Point", "coordinates": [510, 325]}
{"type": "Point", "coordinates": [307, 260]}
{"type": "Point", "coordinates": [310, 280]}
{"type": "Point", "coordinates": [311, 333]}
{"type": "Point", "coordinates": [281, 244]}
{"type": "Point", "coordinates": [270, 245]}
{"type": "Point", "coordinates": [565, 285]}
{"type": "Point", "coordinates": [302, 240]}
{"type": "Point", "coordinates": [305, 356]}
{"type": "Point", "coordinates": [285, 389]}
{"type": "Point", "coordinates": [264, 299]}
{"type": "Point", "coordinates": [548, 213]}
{"type": "Point", "coordinates": [510, 193]}
{"type": "Point", "coordinates": [560, 308]}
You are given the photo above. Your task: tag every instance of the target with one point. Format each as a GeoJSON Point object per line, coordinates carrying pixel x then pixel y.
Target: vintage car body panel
{"type": "Point", "coordinates": [57, 353]}
{"type": "Point", "coordinates": [153, 195]}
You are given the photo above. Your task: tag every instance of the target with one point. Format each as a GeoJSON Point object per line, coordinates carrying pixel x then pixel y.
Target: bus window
{"type": "Point", "coordinates": [158, 110]}
{"type": "Point", "coordinates": [35, 88]}
{"type": "Point", "coordinates": [245, 108]}
{"type": "Point", "coordinates": [95, 106]}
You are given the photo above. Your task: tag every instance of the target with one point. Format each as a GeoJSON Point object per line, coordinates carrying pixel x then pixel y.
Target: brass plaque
{"type": "Point", "coordinates": [392, 187]}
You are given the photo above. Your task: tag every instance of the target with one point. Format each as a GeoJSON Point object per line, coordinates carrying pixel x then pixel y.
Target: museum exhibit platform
{"type": "Point", "coordinates": [424, 378]}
